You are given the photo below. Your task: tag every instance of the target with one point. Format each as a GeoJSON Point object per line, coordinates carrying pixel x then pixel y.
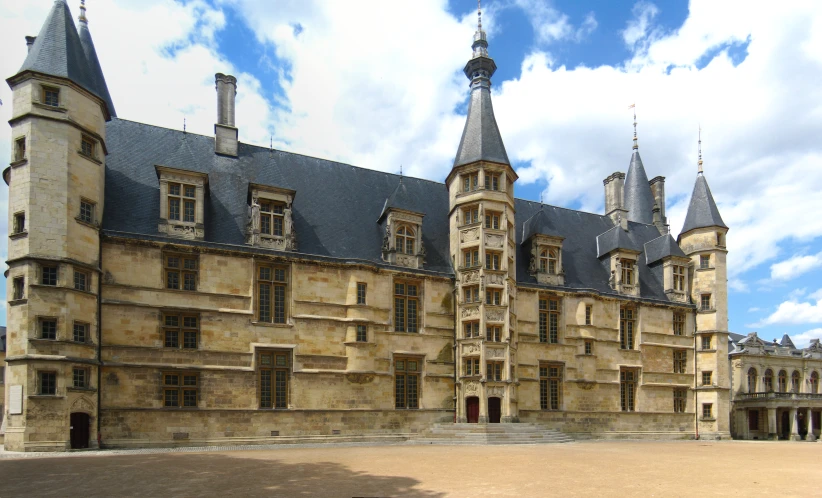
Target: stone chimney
{"type": "Point", "coordinates": [225, 132]}
{"type": "Point", "coordinates": [30, 42]}
{"type": "Point", "coordinates": [614, 199]}
{"type": "Point", "coordinates": [658, 190]}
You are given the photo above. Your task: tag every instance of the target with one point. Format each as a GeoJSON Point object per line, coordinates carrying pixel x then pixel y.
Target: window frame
{"type": "Point", "coordinates": [628, 383]}
{"type": "Point", "coordinates": [180, 324]}
{"type": "Point", "coordinates": [680, 400]}
{"type": "Point", "coordinates": [402, 370]}
{"type": "Point", "coordinates": [180, 388]}
{"type": "Point", "coordinates": [41, 328]}
{"type": "Point", "coordinates": [588, 347]}
{"type": "Point", "coordinates": [471, 329]}
{"type": "Point", "coordinates": [549, 260]}
{"type": "Point", "coordinates": [471, 367]}
{"type": "Point", "coordinates": [45, 277]}
{"type": "Point", "coordinates": [88, 147]}
{"type": "Point", "coordinates": [627, 327]}
{"type": "Point", "coordinates": [46, 90]}
{"type": "Point", "coordinates": [796, 381]}
{"type": "Point", "coordinates": [406, 324]}
{"type": "Point", "coordinates": [84, 377]}
{"type": "Point", "coordinates": [183, 201]}
{"type": "Point", "coordinates": [705, 302]}
{"type": "Point", "coordinates": [470, 215]}
{"type": "Point", "coordinates": [41, 384]}
{"type": "Point", "coordinates": [87, 211]}
{"type": "Point", "coordinates": [18, 287]}
{"type": "Point", "coordinates": [628, 270]}
{"type": "Point", "coordinates": [493, 260]}
{"type": "Point", "coordinates": [470, 294]}
{"type": "Point", "coordinates": [361, 332]}
{"type": "Point", "coordinates": [679, 277]}
{"type": "Point", "coordinates": [767, 380]}
{"type": "Point", "coordinates": [548, 324]}
{"type": "Point", "coordinates": [183, 273]}
{"type": "Point", "coordinates": [495, 371]}
{"type": "Point", "coordinates": [493, 297]}
{"type": "Point", "coordinates": [18, 223]}
{"type": "Point", "coordinates": [752, 375]}
{"type": "Point", "coordinates": [680, 359]}
{"type": "Point", "coordinates": [20, 149]}
{"type": "Point", "coordinates": [470, 181]}
{"type": "Point", "coordinates": [589, 314]}
{"type": "Point", "coordinates": [82, 280]}
{"type": "Point", "coordinates": [492, 220]}
{"type": "Point", "coordinates": [707, 411]}
{"type": "Point", "coordinates": [405, 240]}
{"type": "Point", "coordinates": [550, 386]}
{"type": "Point", "coordinates": [85, 328]}
{"type": "Point", "coordinates": [678, 322]}
{"type": "Point", "coordinates": [814, 382]}
{"type": "Point", "coordinates": [279, 378]}
{"type": "Point", "coordinates": [470, 258]}
{"type": "Point", "coordinates": [706, 342]}
{"type": "Point", "coordinates": [495, 182]}
{"type": "Point", "coordinates": [704, 261]}
{"type": "Point", "coordinates": [272, 218]}
{"type": "Point", "coordinates": [707, 378]}
{"type": "Point", "coordinates": [362, 292]}
{"type": "Point", "coordinates": [493, 333]}
{"type": "Point", "coordinates": [272, 286]}
{"type": "Point", "coordinates": [782, 381]}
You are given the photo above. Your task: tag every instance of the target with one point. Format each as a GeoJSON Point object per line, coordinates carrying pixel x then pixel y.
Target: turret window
{"type": "Point", "coordinates": [19, 288]}
{"type": "Point", "coordinates": [48, 275]}
{"type": "Point", "coordinates": [471, 367]}
{"type": "Point", "coordinates": [470, 215]}
{"type": "Point", "coordinates": [88, 147]}
{"type": "Point", "coordinates": [492, 220]}
{"type": "Point", "coordinates": [48, 329]}
{"type": "Point", "coordinates": [86, 211]}
{"type": "Point", "coordinates": [51, 96]}
{"type": "Point", "coordinates": [405, 240]}
{"type": "Point", "coordinates": [492, 182]}
{"type": "Point", "coordinates": [471, 294]}
{"type": "Point", "coordinates": [470, 258]}
{"type": "Point", "coordinates": [704, 262]}
{"type": "Point", "coordinates": [470, 182]}
{"type": "Point", "coordinates": [679, 278]}
{"type": "Point", "coordinates": [492, 260]}
{"type": "Point", "coordinates": [471, 329]}
{"type": "Point", "coordinates": [19, 225]}
{"type": "Point", "coordinates": [494, 370]}
{"type": "Point", "coordinates": [20, 149]}
{"type": "Point", "coordinates": [493, 297]}
{"type": "Point", "coordinates": [493, 334]}
{"type": "Point", "coordinates": [705, 302]}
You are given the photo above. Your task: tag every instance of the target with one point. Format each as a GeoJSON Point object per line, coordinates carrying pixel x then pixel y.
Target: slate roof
{"type": "Point", "coordinates": [336, 206]}
{"type": "Point", "coordinates": [639, 200]}
{"type": "Point", "coordinates": [399, 199]}
{"type": "Point", "coordinates": [786, 342]}
{"type": "Point", "coordinates": [94, 65]}
{"type": "Point", "coordinates": [702, 211]}
{"type": "Point", "coordinates": [662, 247]}
{"type": "Point", "coordinates": [540, 223]}
{"type": "Point", "coordinates": [59, 51]}
{"type": "Point", "coordinates": [480, 140]}
{"type": "Point", "coordinates": [616, 238]}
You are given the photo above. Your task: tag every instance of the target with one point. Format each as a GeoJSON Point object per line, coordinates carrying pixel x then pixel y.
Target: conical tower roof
{"type": "Point", "coordinates": [101, 88]}
{"type": "Point", "coordinates": [702, 211]}
{"type": "Point", "coordinates": [480, 140]}
{"type": "Point", "coordinates": [59, 51]}
{"type": "Point", "coordinates": [639, 200]}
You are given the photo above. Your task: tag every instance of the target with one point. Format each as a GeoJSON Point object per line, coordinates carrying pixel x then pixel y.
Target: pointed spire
{"type": "Point", "coordinates": [639, 200]}
{"type": "Point", "coordinates": [82, 17]}
{"type": "Point", "coordinates": [636, 145]}
{"type": "Point", "coordinates": [481, 140]}
{"type": "Point", "coordinates": [702, 210]}
{"type": "Point", "coordinates": [699, 149]}
{"type": "Point", "coordinates": [101, 89]}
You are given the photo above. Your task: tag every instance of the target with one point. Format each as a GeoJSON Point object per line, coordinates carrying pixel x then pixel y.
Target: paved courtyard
{"type": "Point", "coordinates": [687, 468]}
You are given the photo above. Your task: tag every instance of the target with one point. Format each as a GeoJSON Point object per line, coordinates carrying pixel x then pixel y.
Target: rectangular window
{"type": "Point", "coordinates": [181, 271]}
{"type": "Point", "coordinates": [180, 389]}
{"type": "Point", "coordinates": [80, 333]}
{"type": "Point", "coordinates": [80, 377]}
{"type": "Point", "coordinates": [362, 333]}
{"type": "Point", "coordinates": [182, 202]}
{"type": "Point", "coordinates": [720, 240]}
{"type": "Point", "coordinates": [627, 271]}
{"type": "Point", "coordinates": [492, 182]}
{"type": "Point", "coordinates": [679, 400]}
{"type": "Point", "coordinates": [679, 323]}
{"type": "Point", "coordinates": [470, 258]}
{"type": "Point", "coordinates": [406, 303]}
{"type": "Point", "coordinates": [51, 96]}
{"type": "Point", "coordinates": [589, 347]}
{"type": "Point", "coordinates": [274, 369]}
{"type": "Point", "coordinates": [86, 211]}
{"type": "Point", "coordinates": [706, 342]}
{"type": "Point", "coordinates": [470, 294]}
{"type": "Point", "coordinates": [549, 320]}
{"type": "Point", "coordinates": [589, 314]}
{"type": "Point", "coordinates": [627, 324]}
{"type": "Point", "coordinates": [271, 286]}
{"type": "Point", "coordinates": [19, 288]}
{"type": "Point", "coordinates": [471, 366]}
{"type": "Point", "coordinates": [680, 361]}
{"type": "Point", "coordinates": [492, 260]}
{"type": "Point", "coordinates": [19, 222]}
{"type": "Point", "coordinates": [493, 370]}
{"type": "Point", "coordinates": [406, 382]}
{"type": "Point", "coordinates": [492, 220]}
{"type": "Point", "coordinates": [627, 389]}
{"type": "Point", "coordinates": [493, 297]}
{"type": "Point", "coordinates": [181, 330]}
{"type": "Point", "coordinates": [679, 278]}
{"type": "Point", "coordinates": [707, 410]}
{"type": "Point", "coordinates": [705, 302]}
{"type": "Point", "coordinates": [271, 218]}
{"type": "Point", "coordinates": [87, 146]}
{"type": "Point", "coordinates": [48, 383]}
{"type": "Point", "coordinates": [705, 261]}
{"type": "Point", "coordinates": [361, 289]}
{"type": "Point", "coordinates": [550, 387]}
{"type": "Point", "coordinates": [81, 280]}
{"type": "Point", "coordinates": [20, 149]}
{"type": "Point", "coordinates": [470, 182]}
{"type": "Point", "coordinates": [48, 329]}
{"type": "Point", "coordinates": [48, 275]}
{"type": "Point", "coordinates": [706, 378]}
{"type": "Point", "coordinates": [470, 329]}
{"type": "Point", "coordinates": [493, 333]}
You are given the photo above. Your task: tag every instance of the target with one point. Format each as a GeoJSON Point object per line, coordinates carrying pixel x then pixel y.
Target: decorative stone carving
{"type": "Point", "coordinates": [469, 235]}
{"type": "Point", "coordinates": [406, 260]}
{"type": "Point", "coordinates": [586, 385]}
{"type": "Point", "coordinates": [386, 241]}
{"type": "Point", "coordinates": [472, 312]}
{"type": "Point", "coordinates": [471, 388]}
{"type": "Point", "coordinates": [495, 391]}
{"type": "Point", "coordinates": [496, 278]}
{"type": "Point", "coordinates": [108, 278]}
{"type": "Point", "coordinates": [82, 404]}
{"type": "Point", "coordinates": [471, 348]}
{"type": "Point", "coordinates": [494, 241]}
{"type": "Point", "coordinates": [612, 280]}
{"type": "Point", "coordinates": [359, 378]}
{"type": "Point", "coordinates": [471, 277]}
{"type": "Point", "coordinates": [532, 266]}
{"type": "Point", "coordinates": [495, 353]}
{"type": "Point", "coordinates": [495, 315]}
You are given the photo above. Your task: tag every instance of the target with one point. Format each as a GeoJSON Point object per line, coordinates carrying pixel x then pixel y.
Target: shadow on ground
{"type": "Point", "coordinates": [194, 475]}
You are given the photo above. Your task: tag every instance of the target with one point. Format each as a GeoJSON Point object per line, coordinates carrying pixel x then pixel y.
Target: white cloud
{"type": "Point", "coordinates": [804, 339]}
{"type": "Point", "coordinates": [754, 309]}
{"type": "Point", "coordinates": [551, 25]}
{"type": "Point", "coordinates": [795, 266]}
{"type": "Point", "coordinates": [738, 285]}
{"type": "Point", "coordinates": [795, 312]}
{"type": "Point", "coordinates": [639, 27]}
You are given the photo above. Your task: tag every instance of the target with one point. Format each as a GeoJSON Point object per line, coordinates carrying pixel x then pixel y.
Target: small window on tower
{"type": "Point", "coordinates": [705, 261]}
{"type": "Point", "coordinates": [86, 211]}
{"type": "Point", "coordinates": [19, 223]}
{"type": "Point", "coordinates": [705, 302]}
{"type": "Point", "coordinates": [20, 149]}
{"type": "Point", "coordinates": [51, 96]}
{"type": "Point", "coordinates": [88, 146]}
{"type": "Point", "coordinates": [19, 288]}
{"type": "Point", "coordinates": [492, 182]}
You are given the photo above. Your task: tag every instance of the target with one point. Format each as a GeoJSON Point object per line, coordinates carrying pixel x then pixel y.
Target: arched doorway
{"type": "Point", "coordinates": [472, 409]}
{"type": "Point", "coordinates": [494, 410]}
{"type": "Point", "coordinates": [80, 428]}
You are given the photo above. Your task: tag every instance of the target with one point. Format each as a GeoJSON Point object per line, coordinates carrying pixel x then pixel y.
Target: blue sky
{"type": "Point", "coordinates": [379, 84]}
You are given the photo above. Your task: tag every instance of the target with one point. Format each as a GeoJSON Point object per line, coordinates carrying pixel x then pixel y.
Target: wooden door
{"type": "Point", "coordinates": [80, 423]}
{"type": "Point", "coordinates": [472, 409]}
{"type": "Point", "coordinates": [494, 410]}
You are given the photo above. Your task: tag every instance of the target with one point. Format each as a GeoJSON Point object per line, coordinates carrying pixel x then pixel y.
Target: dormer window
{"type": "Point", "coordinates": [405, 239]}
{"type": "Point", "coordinates": [270, 222]}
{"type": "Point", "coordinates": [182, 194]}
{"type": "Point", "coordinates": [627, 271]}
{"type": "Point", "coordinates": [470, 182]}
{"type": "Point", "coordinates": [271, 218]}
{"type": "Point", "coordinates": [548, 261]}
{"type": "Point", "coordinates": [679, 278]}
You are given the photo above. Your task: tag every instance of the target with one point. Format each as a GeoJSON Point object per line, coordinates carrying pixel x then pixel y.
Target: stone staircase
{"type": "Point", "coordinates": [490, 434]}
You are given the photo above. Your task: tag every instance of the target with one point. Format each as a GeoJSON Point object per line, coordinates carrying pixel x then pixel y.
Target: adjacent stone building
{"type": "Point", "coordinates": [171, 288]}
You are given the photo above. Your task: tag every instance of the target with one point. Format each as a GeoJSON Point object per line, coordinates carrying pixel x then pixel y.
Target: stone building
{"type": "Point", "coordinates": [775, 389]}
{"type": "Point", "coordinates": [183, 289]}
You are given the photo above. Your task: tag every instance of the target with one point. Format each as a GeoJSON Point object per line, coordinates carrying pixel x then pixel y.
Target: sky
{"type": "Point", "coordinates": [379, 84]}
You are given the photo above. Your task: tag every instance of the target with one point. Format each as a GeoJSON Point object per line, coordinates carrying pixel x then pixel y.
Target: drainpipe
{"type": "Point", "coordinates": [99, 333]}
{"type": "Point", "coordinates": [696, 408]}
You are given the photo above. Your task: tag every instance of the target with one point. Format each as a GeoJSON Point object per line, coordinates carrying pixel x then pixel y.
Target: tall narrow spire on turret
{"type": "Point", "coordinates": [82, 17]}
{"type": "Point", "coordinates": [699, 150]}
{"type": "Point", "coordinates": [636, 145]}
{"type": "Point", "coordinates": [639, 200]}
{"type": "Point", "coordinates": [101, 88]}
{"type": "Point", "coordinates": [702, 210]}
{"type": "Point", "coordinates": [481, 140]}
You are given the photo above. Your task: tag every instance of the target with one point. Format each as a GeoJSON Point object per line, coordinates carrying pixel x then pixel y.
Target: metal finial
{"type": "Point", "coordinates": [699, 148]}
{"type": "Point", "coordinates": [542, 197]}
{"type": "Point", "coordinates": [83, 11]}
{"type": "Point", "coordinates": [633, 106]}
{"type": "Point", "coordinates": [184, 124]}
{"type": "Point", "coordinates": [479, 16]}
{"type": "Point", "coordinates": [271, 142]}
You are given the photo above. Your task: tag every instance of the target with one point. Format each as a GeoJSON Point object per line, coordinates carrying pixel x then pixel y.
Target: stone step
{"type": "Point", "coordinates": [478, 434]}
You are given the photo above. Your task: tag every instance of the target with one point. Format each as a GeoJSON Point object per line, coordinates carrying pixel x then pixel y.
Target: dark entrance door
{"type": "Point", "coordinates": [803, 423]}
{"type": "Point", "coordinates": [472, 409]}
{"type": "Point", "coordinates": [786, 425]}
{"type": "Point", "coordinates": [494, 410]}
{"type": "Point", "coordinates": [80, 423]}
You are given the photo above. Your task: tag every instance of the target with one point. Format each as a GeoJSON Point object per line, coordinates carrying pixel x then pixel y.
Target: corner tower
{"type": "Point", "coordinates": [481, 218]}
{"type": "Point", "coordinates": [56, 180]}
{"type": "Point", "coordinates": [703, 240]}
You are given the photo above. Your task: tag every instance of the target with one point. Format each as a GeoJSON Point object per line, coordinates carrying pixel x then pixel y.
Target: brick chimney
{"type": "Point", "coordinates": [657, 185]}
{"type": "Point", "coordinates": [225, 133]}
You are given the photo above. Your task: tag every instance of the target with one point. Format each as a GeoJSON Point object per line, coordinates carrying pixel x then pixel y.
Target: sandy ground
{"type": "Point", "coordinates": [667, 469]}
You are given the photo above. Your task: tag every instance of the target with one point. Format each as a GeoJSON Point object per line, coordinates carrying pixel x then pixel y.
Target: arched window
{"type": "Point", "coordinates": [783, 381]}
{"type": "Point", "coordinates": [814, 382]}
{"type": "Point", "coordinates": [752, 380]}
{"type": "Point", "coordinates": [768, 380]}
{"type": "Point", "coordinates": [405, 240]}
{"type": "Point", "coordinates": [795, 382]}
{"type": "Point", "coordinates": [552, 261]}
{"type": "Point", "coordinates": [543, 261]}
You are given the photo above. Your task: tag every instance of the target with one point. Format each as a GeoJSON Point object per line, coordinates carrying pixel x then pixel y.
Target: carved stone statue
{"type": "Point", "coordinates": [532, 266]}
{"type": "Point", "coordinates": [255, 215]}
{"type": "Point", "coordinates": [288, 222]}
{"type": "Point", "coordinates": [386, 239]}
{"type": "Point", "coordinates": [422, 252]}
{"type": "Point", "coordinates": [612, 280]}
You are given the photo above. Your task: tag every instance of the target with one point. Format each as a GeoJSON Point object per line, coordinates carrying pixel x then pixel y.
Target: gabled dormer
{"type": "Point", "coordinates": [544, 244]}
{"type": "Point", "coordinates": [401, 221]}
{"type": "Point", "coordinates": [664, 251]}
{"type": "Point", "coordinates": [182, 198]}
{"type": "Point", "coordinates": [622, 254]}
{"type": "Point", "coordinates": [270, 222]}
{"type": "Point", "coordinates": [751, 344]}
